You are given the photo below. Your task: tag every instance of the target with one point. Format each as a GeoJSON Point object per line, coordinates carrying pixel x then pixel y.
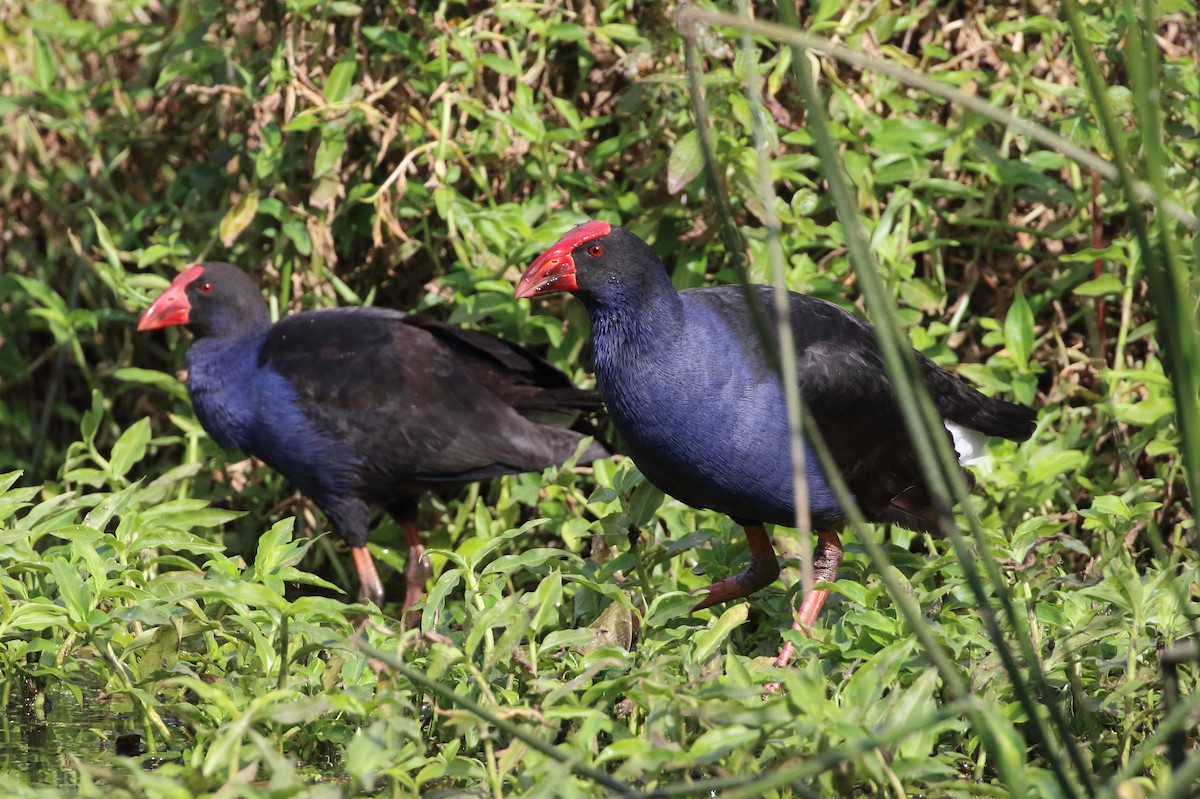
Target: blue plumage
{"type": "Point", "coordinates": [694, 396]}
{"type": "Point", "coordinates": [693, 402]}
{"type": "Point", "coordinates": [247, 405]}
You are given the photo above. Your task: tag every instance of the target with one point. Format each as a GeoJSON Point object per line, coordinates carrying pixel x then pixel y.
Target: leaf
{"type": "Point", "coordinates": [162, 653]}
{"type": "Point", "coordinates": [13, 501]}
{"type": "Point", "coordinates": [947, 188]}
{"type": "Point", "coordinates": [297, 711]}
{"type": "Point", "coordinates": [853, 591]}
{"type": "Point", "coordinates": [669, 605]}
{"type": "Point", "coordinates": [718, 743]}
{"type": "Point", "coordinates": [613, 627]}
{"type": "Point", "coordinates": [527, 560]}
{"type": "Point", "coordinates": [926, 295]}
{"type": "Point", "coordinates": [267, 159]}
{"type": "Point", "coordinates": [91, 418]}
{"type": "Point", "coordinates": [340, 79]}
{"type": "Point", "coordinates": [184, 514]}
{"type": "Point", "coordinates": [104, 239]}
{"type": "Point", "coordinates": [1052, 465]}
{"type": "Point", "coordinates": [224, 750]}
{"type": "Point", "coordinates": [502, 65]}
{"type": "Point", "coordinates": [472, 553]}
{"type": "Point", "coordinates": [238, 218]}
{"type": "Point", "coordinates": [1147, 413]}
{"type": "Point", "coordinates": [1112, 506]}
{"type": "Point", "coordinates": [436, 601]}
{"type": "Point", "coordinates": [1018, 330]}
{"type": "Point", "coordinates": [297, 233]}
{"type": "Point", "coordinates": [106, 509]}
{"type": "Point", "coordinates": [177, 541]}
{"type": "Point", "coordinates": [685, 162]}
{"type": "Point", "coordinates": [904, 136]}
{"type": "Point", "coordinates": [154, 254]}
{"type": "Point", "coordinates": [329, 151]}
{"type": "Point", "coordinates": [903, 169]}
{"type": "Point", "coordinates": [872, 679]}
{"type": "Point", "coordinates": [71, 590]}
{"type": "Point", "coordinates": [44, 70]}
{"type": "Point", "coordinates": [566, 31]}
{"type": "Point", "coordinates": [273, 548]}
{"type": "Point", "coordinates": [1011, 761]}
{"type": "Point", "coordinates": [37, 615]}
{"type": "Point", "coordinates": [514, 626]}
{"type": "Point", "coordinates": [1105, 285]}
{"type": "Point", "coordinates": [129, 449]}
{"type": "Point", "coordinates": [8, 479]}
{"type": "Point", "coordinates": [239, 594]}
{"type": "Point", "coordinates": [305, 120]}
{"type": "Point", "coordinates": [708, 640]}
{"type": "Point", "coordinates": [914, 702]}
{"type": "Point", "coordinates": [645, 501]}
{"type": "Point", "coordinates": [151, 377]}
{"type": "Point", "coordinates": [368, 754]}
{"type": "Point", "coordinates": [498, 615]}
{"type": "Point", "coordinates": [625, 33]}
{"type": "Point", "coordinates": [547, 599]}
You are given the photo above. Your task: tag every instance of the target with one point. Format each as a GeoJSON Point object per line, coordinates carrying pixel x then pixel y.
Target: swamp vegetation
{"type": "Point", "coordinates": [1014, 186]}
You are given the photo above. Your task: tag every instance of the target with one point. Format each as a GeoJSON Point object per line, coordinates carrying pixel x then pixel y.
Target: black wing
{"type": "Point", "coordinates": [529, 383]}
{"type": "Point", "coordinates": [413, 410]}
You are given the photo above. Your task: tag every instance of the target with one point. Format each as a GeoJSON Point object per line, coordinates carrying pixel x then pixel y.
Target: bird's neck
{"type": "Point", "coordinates": [628, 331]}
{"type": "Point", "coordinates": [221, 381]}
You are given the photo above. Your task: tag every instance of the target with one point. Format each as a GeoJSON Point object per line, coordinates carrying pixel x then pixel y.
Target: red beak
{"type": "Point", "coordinates": [554, 270]}
{"type": "Point", "coordinates": [172, 306]}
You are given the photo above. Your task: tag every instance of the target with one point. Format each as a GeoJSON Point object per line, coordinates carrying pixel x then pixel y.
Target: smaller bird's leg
{"type": "Point", "coordinates": [417, 570]}
{"type": "Point", "coordinates": [370, 589]}
{"type": "Point", "coordinates": [826, 560]}
{"type": "Point", "coordinates": [762, 571]}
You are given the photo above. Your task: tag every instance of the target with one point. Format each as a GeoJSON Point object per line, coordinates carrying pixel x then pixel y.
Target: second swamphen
{"type": "Point", "coordinates": [702, 412]}
{"type": "Point", "coordinates": [366, 406]}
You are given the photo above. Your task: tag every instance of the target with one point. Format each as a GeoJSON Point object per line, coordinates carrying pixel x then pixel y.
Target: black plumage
{"type": "Point", "coordinates": [361, 407]}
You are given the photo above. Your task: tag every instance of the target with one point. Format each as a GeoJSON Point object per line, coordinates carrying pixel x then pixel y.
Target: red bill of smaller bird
{"type": "Point", "coordinates": [367, 407]}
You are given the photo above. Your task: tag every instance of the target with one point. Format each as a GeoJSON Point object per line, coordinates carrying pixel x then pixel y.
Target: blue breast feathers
{"type": "Point", "coordinates": [254, 409]}
{"type": "Point", "coordinates": [704, 418]}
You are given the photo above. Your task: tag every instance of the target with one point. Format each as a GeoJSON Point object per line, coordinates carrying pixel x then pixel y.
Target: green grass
{"type": "Point", "coordinates": [1013, 192]}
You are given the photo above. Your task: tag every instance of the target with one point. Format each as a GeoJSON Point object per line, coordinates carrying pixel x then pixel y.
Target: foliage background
{"type": "Point", "coordinates": [418, 156]}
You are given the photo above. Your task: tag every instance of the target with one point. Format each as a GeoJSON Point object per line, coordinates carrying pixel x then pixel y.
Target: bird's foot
{"type": "Point", "coordinates": [762, 571]}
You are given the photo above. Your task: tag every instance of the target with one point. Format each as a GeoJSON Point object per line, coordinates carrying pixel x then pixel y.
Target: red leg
{"type": "Point", "coordinates": [826, 560]}
{"type": "Point", "coordinates": [762, 571]}
{"type": "Point", "coordinates": [417, 570]}
{"type": "Point", "coordinates": [370, 589]}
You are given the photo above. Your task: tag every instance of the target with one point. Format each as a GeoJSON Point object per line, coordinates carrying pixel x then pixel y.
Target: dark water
{"type": "Point", "coordinates": [40, 733]}
{"type": "Point", "coordinates": [44, 735]}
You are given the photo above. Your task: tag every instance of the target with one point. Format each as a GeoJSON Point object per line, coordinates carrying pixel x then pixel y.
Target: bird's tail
{"type": "Point", "coordinates": [996, 417]}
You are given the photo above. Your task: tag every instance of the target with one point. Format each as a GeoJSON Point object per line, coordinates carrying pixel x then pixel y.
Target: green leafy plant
{"type": "Point", "coordinates": [1018, 201]}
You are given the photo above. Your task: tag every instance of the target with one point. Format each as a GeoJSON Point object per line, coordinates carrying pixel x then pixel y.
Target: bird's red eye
{"type": "Point", "coordinates": [205, 287]}
{"type": "Point", "coordinates": [595, 251]}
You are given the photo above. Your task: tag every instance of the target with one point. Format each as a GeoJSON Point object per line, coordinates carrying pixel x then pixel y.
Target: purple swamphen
{"type": "Point", "coordinates": [366, 406]}
{"type": "Point", "coordinates": [701, 410]}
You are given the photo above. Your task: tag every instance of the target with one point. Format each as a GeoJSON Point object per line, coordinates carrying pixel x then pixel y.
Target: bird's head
{"type": "Point", "coordinates": [210, 299]}
{"type": "Point", "coordinates": [594, 260]}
